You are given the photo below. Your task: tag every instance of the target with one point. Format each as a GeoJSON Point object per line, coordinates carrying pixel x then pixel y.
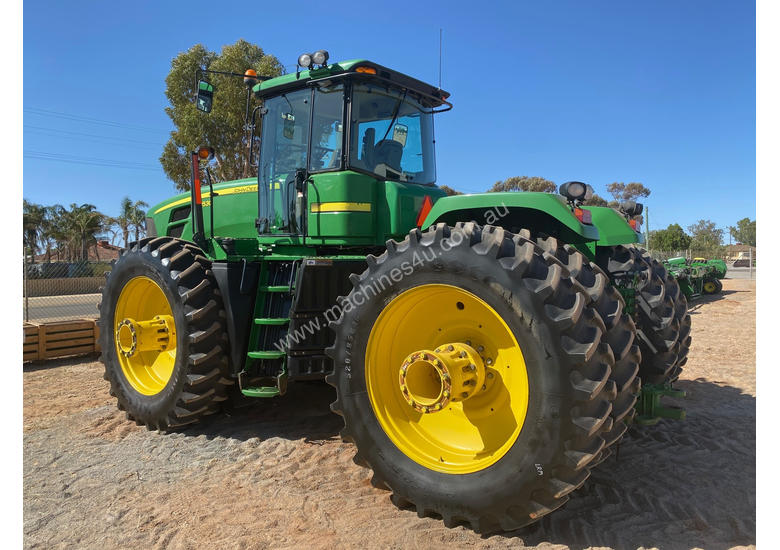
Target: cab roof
{"type": "Point", "coordinates": [299, 79]}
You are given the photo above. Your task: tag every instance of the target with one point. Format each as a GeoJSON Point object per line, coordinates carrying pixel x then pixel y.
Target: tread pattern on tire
{"type": "Point", "coordinates": [662, 317]}
{"type": "Point", "coordinates": [620, 332]}
{"type": "Point", "coordinates": [207, 377]}
{"type": "Point", "coordinates": [585, 351]}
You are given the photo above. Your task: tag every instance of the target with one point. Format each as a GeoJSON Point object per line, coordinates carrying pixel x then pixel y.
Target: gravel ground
{"type": "Point", "coordinates": [277, 475]}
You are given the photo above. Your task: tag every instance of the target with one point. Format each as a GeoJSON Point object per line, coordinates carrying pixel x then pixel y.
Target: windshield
{"type": "Point", "coordinates": [391, 135]}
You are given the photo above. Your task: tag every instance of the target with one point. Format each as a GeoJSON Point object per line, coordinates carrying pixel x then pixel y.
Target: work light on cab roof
{"type": "Point", "coordinates": [309, 60]}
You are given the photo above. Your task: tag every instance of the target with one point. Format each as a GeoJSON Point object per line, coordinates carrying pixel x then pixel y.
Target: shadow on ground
{"type": "Point", "coordinates": [689, 483]}
{"type": "Point", "coordinates": [679, 484]}
{"type": "Point", "coordinates": [302, 413]}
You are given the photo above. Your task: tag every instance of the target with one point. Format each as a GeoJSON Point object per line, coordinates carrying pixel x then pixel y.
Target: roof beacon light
{"type": "Point", "coordinates": [574, 190]}
{"type": "Point", "coordinates": [205, 153]}
{"type": "Point", "coordinates": [250, 77]}
{"type": "Point", "coordinates": [320, 57]}
{"type": "Point", "coordinates": [304, 60]}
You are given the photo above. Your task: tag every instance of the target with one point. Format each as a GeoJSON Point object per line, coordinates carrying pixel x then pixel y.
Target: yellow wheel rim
{"type": "Point", "coordinates": [709, 287]}
{"type": "Point", "coordinates": [145, 335]}
{"type": "Point", "coordinates": [420, 336]}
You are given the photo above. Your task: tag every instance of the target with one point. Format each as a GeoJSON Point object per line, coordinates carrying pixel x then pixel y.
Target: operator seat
{"type": "Point", "coordinates": [389, 152]}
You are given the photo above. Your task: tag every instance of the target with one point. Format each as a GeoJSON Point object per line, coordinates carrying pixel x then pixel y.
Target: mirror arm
{"type": "Point", "coordinates": [211, 196]}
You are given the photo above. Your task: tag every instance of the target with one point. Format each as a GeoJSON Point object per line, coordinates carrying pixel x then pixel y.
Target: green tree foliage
{"type": "Point", "coordinates": [449, 190]}
{"type": "Point", "coordinates": [671, 239]}
{"type": "Point", "coordinates": [706, 237]}
{"type": "Point", "coordinates": [627, 191]}
{"type": "Point", "coordinates": [223, 128]}
{"type": "Point", "coordinates": [744, 232]}
{"type": "Point", "coordinates": [524, 183]}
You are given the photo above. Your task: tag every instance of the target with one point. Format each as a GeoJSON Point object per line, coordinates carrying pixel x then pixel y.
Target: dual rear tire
{"type": "Point", "coordinates": [511, 452]}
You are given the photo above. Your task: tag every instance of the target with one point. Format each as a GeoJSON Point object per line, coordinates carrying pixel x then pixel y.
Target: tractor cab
{"type": "Point", "coordinates": [338, 142]}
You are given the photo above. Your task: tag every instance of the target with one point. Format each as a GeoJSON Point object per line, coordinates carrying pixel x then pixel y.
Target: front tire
{"type": "Point", "coordinates": [496, 460]}
{"type": "Point", "coordinates": [162, 336]}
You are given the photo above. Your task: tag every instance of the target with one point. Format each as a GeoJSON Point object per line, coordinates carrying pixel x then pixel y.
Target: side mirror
{"type": "Point", "coordinates": [400, 131]}
{"type": "Point", "coordinates": [288, 129]}
{"type": "Point", "coordinates": [205, 96]}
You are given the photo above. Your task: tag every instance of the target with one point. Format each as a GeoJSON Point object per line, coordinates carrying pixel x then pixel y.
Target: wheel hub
{"type": "Point", "coordinates": [431, 380]}
{"type": "Point", "coordinates": [153, 335]}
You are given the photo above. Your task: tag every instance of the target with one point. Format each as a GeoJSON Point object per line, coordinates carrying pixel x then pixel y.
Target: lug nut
{"type": "Point", "coordinates": [481, 349]}
{"type": "Point", "coordinates": [490, 375]}
{"type": "Point", "coordinates": [489, 361]}
{"type": "Point", "coordinates": [484, 387]}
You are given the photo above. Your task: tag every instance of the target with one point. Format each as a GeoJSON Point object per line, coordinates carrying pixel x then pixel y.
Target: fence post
{"type": "Point", "coordinates": [25, 290]}
{"type": "Point", "coordinates": [751, 261]}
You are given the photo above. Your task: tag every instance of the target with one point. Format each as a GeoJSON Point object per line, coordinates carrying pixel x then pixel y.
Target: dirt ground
{"type": "Point", "coordinates": [278, 476]}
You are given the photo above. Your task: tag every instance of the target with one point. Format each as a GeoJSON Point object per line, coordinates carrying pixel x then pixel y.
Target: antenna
{"type": "Point", "coordinates": [440, 59]}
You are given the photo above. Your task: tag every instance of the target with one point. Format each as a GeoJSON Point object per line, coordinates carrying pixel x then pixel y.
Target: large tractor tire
{"type": "Point", "coordinates": [162, 335]}
{"type": "Point", "coordinates": [621, 332]}
{"type": "Point", "coordinates": [472, 372]}
{"type": "Point", "coordinates": [662, 319]}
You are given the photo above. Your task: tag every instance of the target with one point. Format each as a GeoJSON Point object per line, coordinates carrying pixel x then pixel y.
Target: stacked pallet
{"type": "Point", "coordinates": [60, 339]}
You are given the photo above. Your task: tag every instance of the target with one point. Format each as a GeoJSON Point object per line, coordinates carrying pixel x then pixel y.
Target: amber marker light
{"type": "Point", "coordinates": [250, 77]}
{"type": "Point", "coordinates": [365, 70]}
{"type": "Point", "coordinates": [205, 153]}
{"type": "Point", "coordinates": [584, 216]}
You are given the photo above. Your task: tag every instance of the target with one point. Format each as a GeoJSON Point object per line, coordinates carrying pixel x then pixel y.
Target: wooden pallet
{"type": "Point", "coordinates": [60, 339]}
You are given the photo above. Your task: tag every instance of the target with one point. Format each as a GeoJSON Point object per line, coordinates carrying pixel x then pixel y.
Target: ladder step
{"type": "Point", "coordinates": [262, 391]}
{"type": "Point", "coordinates": [275, 288]}
{"type": "Point", "coordinates": [266, 354]}
{"type": "Point", "coordinates": [272, 321]}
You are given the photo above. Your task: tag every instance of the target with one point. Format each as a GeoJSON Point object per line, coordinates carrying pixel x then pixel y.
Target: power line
{"type": "Point", "coordinates": [53, 132]}
{"type": "Point", "coordinates": [91, 161]}
{"type": "Point", "coordinates": [89, 120]}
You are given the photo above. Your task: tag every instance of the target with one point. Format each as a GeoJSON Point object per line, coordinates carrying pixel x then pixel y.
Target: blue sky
{"type": "Point", "coordinates": [658, 92]}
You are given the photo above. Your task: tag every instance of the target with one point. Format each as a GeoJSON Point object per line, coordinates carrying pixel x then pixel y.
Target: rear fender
{"type": "Point", "coordinates": [542, 212]}
{"type": "Point", "coordinates": [613, 227]}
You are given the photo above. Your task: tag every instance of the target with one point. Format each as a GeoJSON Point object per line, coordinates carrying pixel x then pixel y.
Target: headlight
{"type": "Point", "coordinates": [631, 208]}
{"type": "Point", "coordinates": [304, 60]}
{"type": "Point", "coordinates": [320, 57]}
{"type": "Point", "coordinates": [573, 190]}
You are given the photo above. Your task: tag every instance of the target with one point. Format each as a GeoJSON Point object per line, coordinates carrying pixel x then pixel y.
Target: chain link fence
{"type": "Point", "coordinates": [60, 291]}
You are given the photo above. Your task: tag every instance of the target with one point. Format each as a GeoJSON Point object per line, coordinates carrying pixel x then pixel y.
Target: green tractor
{"type": "Point", "coordinates": [485, 349]}
{"type": "Point", "coordinates": [697, 277]}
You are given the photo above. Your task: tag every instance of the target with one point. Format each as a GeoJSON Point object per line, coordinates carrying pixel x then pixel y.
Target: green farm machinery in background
{"type": "Point", "coordinates": [698, 276]}
{"type": "Point", "coordinates": [486, 350]}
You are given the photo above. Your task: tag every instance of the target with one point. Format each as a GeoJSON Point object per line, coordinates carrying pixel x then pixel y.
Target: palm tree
{"type": "Point", "coordinates": [33, 216]}
{"type": "Point", "coordinates": [85, 223]}
{"type": "Point", "coordinates": [138, 218]}
{"type": "Point", "coordinates": [125, 219]}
